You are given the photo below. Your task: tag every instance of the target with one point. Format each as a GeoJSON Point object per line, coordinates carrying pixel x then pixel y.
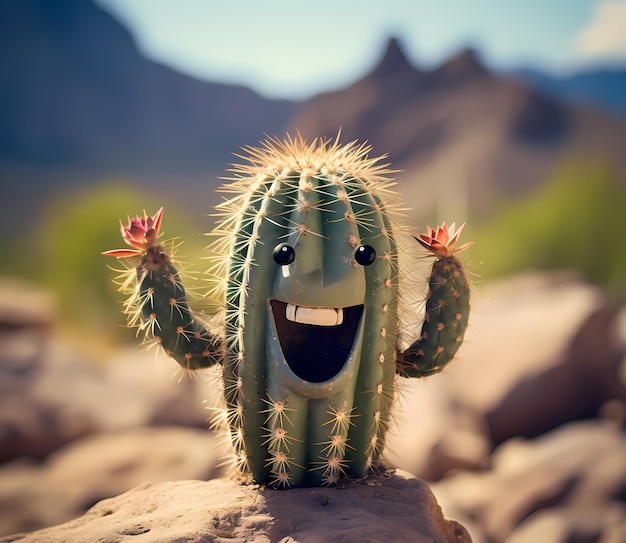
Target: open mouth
{"type": "Point", "coordinates": [315, 341]}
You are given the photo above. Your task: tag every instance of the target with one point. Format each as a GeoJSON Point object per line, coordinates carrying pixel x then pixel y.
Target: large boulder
{"type": "Point", "coordinates": [391, 509]}
{"type": "Point", "coordinates": [544, 482]}
{"type": "Point", "coordinates": [542, 349]}
{"type": "Point", "coordinates": [54, 390]}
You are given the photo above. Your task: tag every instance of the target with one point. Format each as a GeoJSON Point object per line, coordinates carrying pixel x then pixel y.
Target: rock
{"type": "Point", "coordinates": [432, 433]}
{"type": "Point", "coordinates": [581, 464]}
{"type": "Point", "coordinates": [22, 305]}
{"type": "Point", "coordinates": [586, 376]}
{"type": "Point", "coordinates": [396, 508]}
{"type": "Point", "coordinates": [87, 470]}
{"type": "Point", "coordinates": [529, 336]}
{"type": "Point", "coordinates": [52, 392]}
{"type": "Point", "coordinates": [568, 524]}
{"type": "Point", "coordinates": [29, 425]}
{"type": "Point", "coordinates": [518, 327]}
{"type": "Point", "coordinates": [147, 389]}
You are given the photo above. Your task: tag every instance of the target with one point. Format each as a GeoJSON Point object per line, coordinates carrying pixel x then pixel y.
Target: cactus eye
{"type": "Point", "coordinates": [365, 255]}
{"type": "Point", "coordinates": [284, 254]}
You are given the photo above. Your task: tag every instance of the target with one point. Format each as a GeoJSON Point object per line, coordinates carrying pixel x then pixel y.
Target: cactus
{"type": "Point", "coordinates": [307, 273]}
{"type": "Point", "coordinates": [159, 305]}
{"type": "Point", "coordinates": [447, 306]}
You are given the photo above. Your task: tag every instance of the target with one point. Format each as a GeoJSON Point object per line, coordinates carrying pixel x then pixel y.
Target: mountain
{"type": "Point", "coordinates": [603, 88]}
{"type": "Point", "coordinates": [462, 136]}
{"type": "Point", "coordinates": [77, 95]}
{"type": "Point", "coordinates": [79, 104]}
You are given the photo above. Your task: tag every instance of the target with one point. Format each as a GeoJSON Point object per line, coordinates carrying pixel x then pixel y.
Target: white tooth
{"type": "Point", "coordinates": [290, 312]}
{"type": "Point", "coordinates": [320, 316]}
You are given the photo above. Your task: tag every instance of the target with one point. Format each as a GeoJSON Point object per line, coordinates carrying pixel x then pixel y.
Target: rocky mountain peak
{"type": "Point", "coordinates": [393, 60]}
{"type": "Point", "coordinates": [465, 64]}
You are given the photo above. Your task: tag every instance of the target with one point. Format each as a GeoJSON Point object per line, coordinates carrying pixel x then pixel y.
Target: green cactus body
{"type": "Point", "coordinates": [308, 340]}
{"type": "Point", "coordinates": [307, 261]}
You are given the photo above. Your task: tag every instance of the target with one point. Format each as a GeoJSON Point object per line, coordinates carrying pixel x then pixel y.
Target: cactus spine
{"type": "Point", "coordinates": [308, 269]}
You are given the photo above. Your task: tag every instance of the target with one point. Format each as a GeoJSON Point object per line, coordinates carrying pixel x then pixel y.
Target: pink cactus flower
{"type": "Point", "coordinates": [442, 241]}
{"type": "Point", "coordinates": [140, 233]}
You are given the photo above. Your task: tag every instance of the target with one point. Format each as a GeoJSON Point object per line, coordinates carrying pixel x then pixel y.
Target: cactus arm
{"type": "Point", "coordinates": [157, 301]}
{"type": "Point", "coordinates": [447, 308]}
{"type": "Point", "coordinates": [166, 317]}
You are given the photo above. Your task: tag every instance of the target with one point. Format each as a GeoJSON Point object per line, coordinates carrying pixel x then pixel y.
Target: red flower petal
{"type": "Point", "coordinates": [442, 241]}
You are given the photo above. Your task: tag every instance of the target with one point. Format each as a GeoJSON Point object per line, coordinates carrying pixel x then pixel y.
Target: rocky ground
{"type": "Point", "coordinates": [522, 439]}
{"type": "Point", "coordinates": [392, 509]}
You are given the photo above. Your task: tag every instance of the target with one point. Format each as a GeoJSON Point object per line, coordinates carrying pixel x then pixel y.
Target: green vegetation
{"type": "Point", "coordinates": [64, 252]}
{"type": "Point", "coordinates": [574, 221]}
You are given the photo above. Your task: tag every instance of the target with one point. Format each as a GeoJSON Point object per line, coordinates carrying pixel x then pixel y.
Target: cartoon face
{"type": "Point", "coordinates": [319, 292]}
{"type": "Point", "coordinates": [311, 298]}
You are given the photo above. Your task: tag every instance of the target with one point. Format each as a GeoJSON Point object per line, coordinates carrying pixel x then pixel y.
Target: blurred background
{"type": "Point", "coordinates": [509, 116]}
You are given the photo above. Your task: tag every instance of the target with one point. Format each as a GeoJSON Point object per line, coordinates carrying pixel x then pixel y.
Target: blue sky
{"type": "Point", "coordinates": [294, 49]}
